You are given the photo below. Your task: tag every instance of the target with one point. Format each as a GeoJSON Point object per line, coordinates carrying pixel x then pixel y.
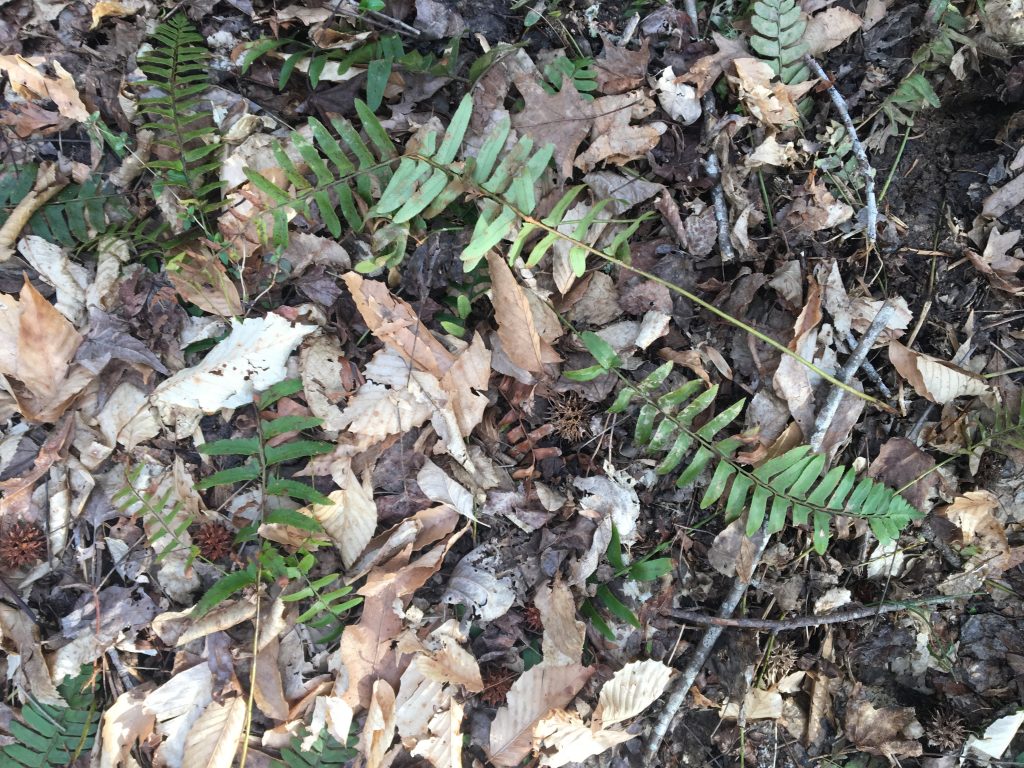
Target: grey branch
{"type": "Point", "coordinates": [858, 150]}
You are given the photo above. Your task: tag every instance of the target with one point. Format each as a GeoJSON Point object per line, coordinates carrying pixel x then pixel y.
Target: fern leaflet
{"type": "Point", "coordinates": [166, 524]}
{"type": "Point", "coordinates": [778, 38]}
{"type": "Point", "coordinates": [56, 736]}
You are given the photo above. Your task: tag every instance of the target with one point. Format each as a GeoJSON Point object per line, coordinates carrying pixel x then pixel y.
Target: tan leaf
{"type": "Point", "coordinates": [443, 747]}
{"type": "Point", "coordinates": [125, 722]}
{"type": "Point", "coordinates": [757, 705]}
{"type": "Point", "coordinates": [630, 691]}
{"type": "Point", "coordinates": [379, 729]}
{"type": "Point", "coordinates": [563, 634]}
{"type": "Point", "coordinates": [829, 28]}
{"type": "Point", "coordinates": [418, 698]}
{"type": "Point", "coordinates": [680, 101]}
{"type": "Point", "coordinates": [562, 118]}
{"type": "Point", "coordinates": [996, 263]}
{"type": "Point", "coordinates": [563, 738]}
{"type": "Point", "coordinates": [466, 384]}
{"type": "Point", "coordinates": [351, 517]}
{"type": "Point", "coordinates": [177, 704]}
{"type": "Point", "coordinates": [992, 555]}
{"type": "Point", "coordinates": [516, 327]}
{"type": "Point", "coordinates": [29, 83]}
{"type": "Point", "coordinates": [770, 101]}
{"type": "Point", "coordinates": [199, 277]}
{"type": "Point", "coordinates": [56, 268]}
{"type": "Point", "coordinates": [31, 674]}
{"type": "Point", "coordinates": [395, 323]}
{"type": "Point", "coordinates": [379, 411]}
{"type": "Point", "coordinates": [934, 379]}
{"type": "Point", "coordinates": [613, 139]}
{"type": "Point", "coordinates": [440, 488]}
{"type": "Point", "coordinates": [882, 730]}
{"type": "Point", "coordinates": [105, 8]}
{"type": "Point", "coordinates": [213, 740]}
{"type": "Point", "coordinates": [792, 380]}
{"type": "Point", "coordinates": [267, 686]}
{"type": "Point", "coordinates": [537, 691]}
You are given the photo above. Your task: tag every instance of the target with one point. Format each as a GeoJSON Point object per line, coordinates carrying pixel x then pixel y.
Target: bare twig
{"type": "Point", "coordinates": [856, 360]}
{"type": "Point", "coordinates": [858, 150]}
{"type": "Point", "coordinates": [701, 653]}
{"type": "Point", "coordinates": [711, 166]}
{"type": "Point", "coordinates": [804, 622]}
{"type": "Point", "coordinates": [870, 370]}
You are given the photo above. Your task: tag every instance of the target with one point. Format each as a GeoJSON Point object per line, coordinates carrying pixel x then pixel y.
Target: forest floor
{"type": "Point", "coordinates": [437, 382]}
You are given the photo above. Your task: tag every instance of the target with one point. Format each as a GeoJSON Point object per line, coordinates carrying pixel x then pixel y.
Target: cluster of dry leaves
{"type": "Point", "coordinates": [447, 487]}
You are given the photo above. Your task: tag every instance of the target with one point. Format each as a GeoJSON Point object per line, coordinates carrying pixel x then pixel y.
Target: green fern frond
{"type": "Point", "coordinates": [56, 736]}
{"type": "Point", "coordinates": [325, 752]}
{"type": "Point", "coordinates": [899, 109]}
{"type": "Point", "coordinates": [165, 523]}
{"type": "Point", "coordinates": [778, 38]}
{"type": "Point", "coordinates": [78, 213]}
{"type": "Point", "coordinates": [177, 69]}
{"type": "Point", "coordinates": [790, 485]}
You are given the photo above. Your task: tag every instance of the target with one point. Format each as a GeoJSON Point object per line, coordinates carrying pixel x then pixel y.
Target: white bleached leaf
{"type": "Point", "coordinates": [252, 358]}
{"type": "Point", "coordinates": [351, 517]}
{"type": "Point", "coordinates": [678, 99]}
{"type": "Point", "coordinates": [437, 486]}
{"type": "Point", "coordinates": [630, 691]}
{"type": "Point", "coordinates": [934, 379]}
{"type": "Point", "coordinates": [997, 737]}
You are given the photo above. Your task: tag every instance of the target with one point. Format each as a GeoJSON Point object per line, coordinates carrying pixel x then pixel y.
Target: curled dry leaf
{"type": "Point", "coordinates": [829, 28]}
{"type": "Point", "coordinates": [613, 139]}
{"type": "Point", "coordinates": [772, 102]}
{"type": "Point", "coordinates": [562, 737]}
{"type": "Point", "coordinates": [125, 722]}
{"type": "Point", "coordinates": [973, 514]}
{"type": "Point", "coordinates": [563, 638]}
{"type": "Point", "coordinates": [678, 99]}
{"type": "Point", "coordinates": [706, 70]}
{"type": "Point", "coordinates": [891, 732]}
{"type": "Point", "coordinates": [379, 729]}
{"type": "Point", "coordinates": [517, 327]}
{"type": "Point", "coordinates": [620, 69]}
{"type": "Point", "coordinates": [934, 379]}
{"type": "Point", "coordinates": [213, 739]}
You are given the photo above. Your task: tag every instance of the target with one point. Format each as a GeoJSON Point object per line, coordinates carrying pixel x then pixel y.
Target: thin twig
{"type": "Point", "coordinates": [870, 370]}
{"type": "Point", "coordinates": [711, 166]}
{"type": "Point", "coordinates": [858, 150]}
{"type": "Point", "coordinates": [802, 622]}
{"type": "Point", "coordinates": [684, 682]}
{"type": "Point", "coordinates": [827, 413]}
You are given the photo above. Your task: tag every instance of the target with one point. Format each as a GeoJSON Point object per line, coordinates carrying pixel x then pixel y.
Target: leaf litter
{"type": "Point", "coordinates": [290, 473]}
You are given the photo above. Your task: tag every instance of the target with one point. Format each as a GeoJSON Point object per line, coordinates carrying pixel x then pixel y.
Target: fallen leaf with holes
{"type": "Point", "coordinates": [29, 83]}
{"type": "Point", "coordinates": [933, 379]}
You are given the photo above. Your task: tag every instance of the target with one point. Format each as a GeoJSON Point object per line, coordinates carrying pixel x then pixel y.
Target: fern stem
{"type": "Point", "coordinates": [858, 150]}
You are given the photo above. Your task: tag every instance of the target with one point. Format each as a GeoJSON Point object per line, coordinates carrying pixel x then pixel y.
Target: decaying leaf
{"type": "Point", "coordinates": [891, 732]}
{"type": "Point", "coordinates": [351, 518]}
{"type": "Point", "coordinates": [620, 69]}
{"type": "Point", "coordinates": [214, 737]}
{"type": "Point", "coordinates": [562, 737]}
{"type": "Point", "coordinates": [934, 379]}
{"type": "Point", "coordinates": [770, 101]}
{"type": "Point", "coordinates": [517, 327]}
{"type": "Point", "coordinates": [29, 83]}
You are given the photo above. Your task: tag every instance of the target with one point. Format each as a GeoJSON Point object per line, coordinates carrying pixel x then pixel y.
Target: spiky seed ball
{"type": "Point", "coordinates": [570, 417]}
{"type": "Point", "coordinates": [22, 544]}
{"type": "Point", "coordinates": [214, 540]}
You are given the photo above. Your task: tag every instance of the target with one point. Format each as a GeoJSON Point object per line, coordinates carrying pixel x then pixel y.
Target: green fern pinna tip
{"type": "Point", "coordinates": [790, 485]}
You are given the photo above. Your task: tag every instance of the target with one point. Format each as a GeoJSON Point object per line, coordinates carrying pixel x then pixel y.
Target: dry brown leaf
{"type": "Point", "coordinates": [466, 383]}
{"type": "Point", "coordinates": [537, 691]}
{"type": "Point", "coordinates": [379, 728]}
{"type": "Point", "coordinates": [707, 69]}
{"type": "Point", "coordinates": [395, 323]}
{"type": "Point", "coordinates": [213, 740]}
{"type": "Point", "coordinates": [267, 685]}
{"type": "Point", "coordinates": [792, 380]}
{"type": "Point", "coordinates": [199, 277]}
{"type": "Point", "coordinates": [882, 730]}
{"type": "Point", "coordinates": [829, 28]}
{"type": "Point", "coordinates": [37, 346]}
{"type": "Point", "coordinates": [934, 379]}
{"type": "Point", "coordinates": [440, 488]}
{"type": "Point", "coordinates": [613, 139]}
{"type": "Point", "coordinates": [517, 329]}
{"type": "Point", "coordinates": [992, 555]}
{"type": "Point", "coordinates": [758, 704]}
{"type": "Point", "coordinates": [620, 69]}
{"type": "Point", "coordinates": [1004, 199]}
{"type": "Point", "coordinates": [563, 638]}
{"type": "Point", "coordinates": [770, 101]}
{"type": "Point", "coordinates": [899, 463]}
{"type": "Point", "coordinates": [996, 263]}
{"type": "Point", "coordinates": [125, 722]}
{"type": "Point", "coordinates": [19, 637]}
{"type": "Point", "coordinates": [562, 737]}
{"type": "Point", "coordinates": [105, 8]}
{"type": "Point", "coordinates": [814, 208]}
{"type": "Point", "coordinates": [630, 691]}
{"type": "Point", "coordinates": [563, 119]}
{"type": "Point", "coordinates": [855, 313]}
{"type": "Point", "coordinates": [29, 83]}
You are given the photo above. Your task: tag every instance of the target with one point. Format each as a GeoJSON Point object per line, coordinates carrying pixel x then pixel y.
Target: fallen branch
{"type": "Point", "coordinates": [856, 360]}
{"type": "Point", "coordinates": [858, 150]}
{"type": "Point", "coordinates": [684, 682]}
{"type": "Point", "coordinates": [803, 622]}
{"type": "Point", "coordinates": [870, 370]}
{"type": "Point", "coordinates": [711, 166]}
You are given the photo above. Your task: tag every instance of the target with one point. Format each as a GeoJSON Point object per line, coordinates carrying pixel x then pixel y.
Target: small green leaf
{"type": "Point", "coordinates": [274, 393]}
{"type": "Point", "coordinates": [649, 570]}
{"type": "Point", "coordinates": [221, 590]}
{"type": "Point", "coordinates": [616, 607]}
{"type": "Point", "coordinates": [230, 476]}
{"type": "Point", "coordinates": [602, 351]}
{"type": "Point", "coordinates": [293, 518]}
{"type": "Point", "coordinates": [246, 446]}
{"type": "Point", "coordinates": [299, 449]}
{"type": "Point", "coordinates": [585, 374]}
{"type": "Point", "coordinates": [284, 424]}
